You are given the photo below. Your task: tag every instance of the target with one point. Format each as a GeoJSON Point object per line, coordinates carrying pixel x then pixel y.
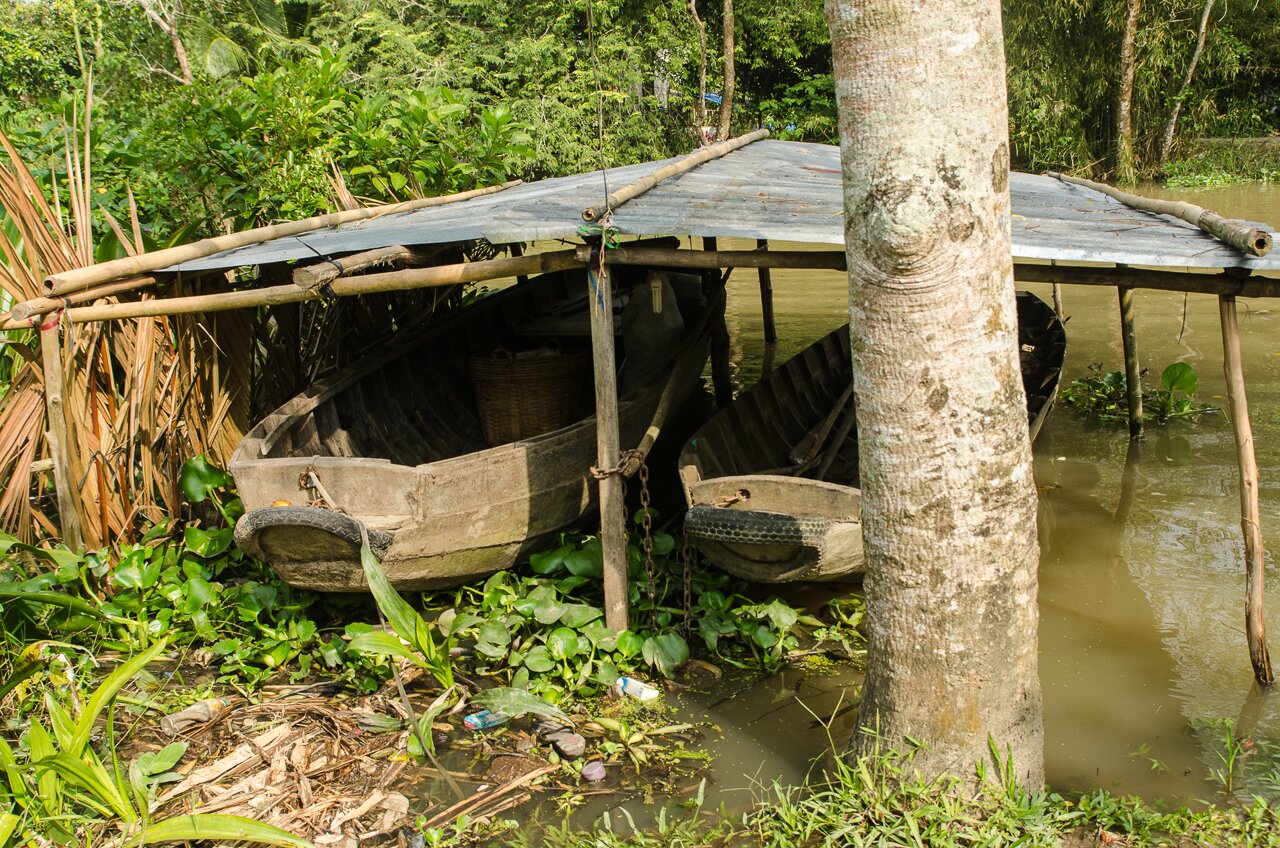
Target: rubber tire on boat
{"type": "Point", "coordinates": [341, 526]}
{"type": "Point", "coordinates": [746, 526]}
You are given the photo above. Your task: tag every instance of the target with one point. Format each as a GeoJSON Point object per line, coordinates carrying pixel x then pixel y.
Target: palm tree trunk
{"type": "Point", "coordinates": [948, 499]}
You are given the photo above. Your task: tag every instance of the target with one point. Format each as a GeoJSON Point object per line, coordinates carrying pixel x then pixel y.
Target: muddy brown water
{"type": "Point", "coordinates": [1142, 647]}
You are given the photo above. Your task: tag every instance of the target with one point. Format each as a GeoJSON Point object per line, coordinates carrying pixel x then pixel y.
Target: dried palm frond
{"type": "Point", "coordinates": [138, 399]}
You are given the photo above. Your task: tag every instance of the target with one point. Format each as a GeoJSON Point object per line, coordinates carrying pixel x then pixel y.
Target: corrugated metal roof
{"type": "Point", "coordinates": [787, 191]}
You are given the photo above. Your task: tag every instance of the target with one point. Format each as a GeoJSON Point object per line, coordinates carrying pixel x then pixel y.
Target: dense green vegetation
{"type": "Point", "coordinates": [269, 100]}
{"type": "Point", "coordinates": [214, 116]}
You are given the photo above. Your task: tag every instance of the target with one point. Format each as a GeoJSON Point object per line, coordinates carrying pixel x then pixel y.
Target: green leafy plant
{"type": "Point", "coordinates": [423, 649]}
{"type": "Point", "coordinates": [61, 785]}
{"type": "Point", "coordinates": [1103, 395]}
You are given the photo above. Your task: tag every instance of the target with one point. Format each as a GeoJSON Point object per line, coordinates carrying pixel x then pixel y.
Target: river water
{"type": "Point", "coordinates": [1142, 645]}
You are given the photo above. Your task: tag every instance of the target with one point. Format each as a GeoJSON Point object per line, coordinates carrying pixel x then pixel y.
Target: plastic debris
{"type": "Point", "coordinates": [198, 713]}
{"type": "Point", "coordinates": [633, 688]}
{"type": "Point", "coordinates": [593, 772]}
{"type": "Point", "coordinates": [485, 719]}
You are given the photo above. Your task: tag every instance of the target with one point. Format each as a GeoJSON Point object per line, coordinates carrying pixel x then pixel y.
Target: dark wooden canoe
{"type": "Point", "coordinates": [395, 442]}
{"type": "Point", "coordinates": [772, 479]}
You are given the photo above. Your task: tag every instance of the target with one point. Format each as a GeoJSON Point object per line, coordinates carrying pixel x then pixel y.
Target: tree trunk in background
{"type": "Point", "coordinates": [1125, 170]}
{"type": "Point", "coordinates": [726, 102]}
{"type": "Point", "coordinates": [702, 68]}
{"type": "Point", "coordinates": [948, 500]}
{"type": "Point", "coordinates": [1171, 124]}
{"type": "Point", "coordinates": [166, 15]}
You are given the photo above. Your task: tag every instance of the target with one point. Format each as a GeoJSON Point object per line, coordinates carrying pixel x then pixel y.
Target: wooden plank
{"type": "Point", "coordinates": [613, 519]}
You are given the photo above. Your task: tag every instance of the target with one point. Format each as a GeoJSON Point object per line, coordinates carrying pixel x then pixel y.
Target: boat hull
{"type": "Point", "coordinates": [776, 528]}
{"type": "Point", "coordinates": [435, 524]}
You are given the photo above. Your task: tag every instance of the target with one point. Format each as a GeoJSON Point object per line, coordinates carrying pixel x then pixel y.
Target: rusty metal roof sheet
{"type": "Point", "coordinates": [787, 191]}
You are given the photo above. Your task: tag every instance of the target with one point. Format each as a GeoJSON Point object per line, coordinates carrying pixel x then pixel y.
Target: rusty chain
{"type": "Point", "coordinates": [686, 565]}
{"type": "Point", "coordinates": [646, 545]}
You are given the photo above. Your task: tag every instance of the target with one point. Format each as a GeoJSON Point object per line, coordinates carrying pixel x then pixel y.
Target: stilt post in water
{"type": "Point", "coordinates": [1132, 373]}
{"type": "Point", "coordinates": [1250, 511]}
{"type": "Point", "coordinates": [613, 513]}
{"type": "Point", "coordinates": [1057, 300]}
{"type": "Point", "coordinates": [721, 379]}
{"type": "Point", "coordinates": [58, 436]}
{"type": "Point", "coordinates": [766, 298]}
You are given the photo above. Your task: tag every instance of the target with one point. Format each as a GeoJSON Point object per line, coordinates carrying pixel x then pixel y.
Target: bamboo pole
{"type": "Point", "coordinates": [82, 278]}
{"type": "Point", "coordinates": [1237, 234]}
{"type": "Point", "coordinates": [1057, 301]}
{"type": "Point", "coordinates": [1250, 512]}
{"type": "Point", "coordinates": [414, 278]}
{"type": "Point", "coordinates": [1148, 278]}
{"type": "Point", "coordinates": [28, 309]}
{"type": "Point", "coordinates": [832, 260]}
{"type": "Point", "coordinates": [706, 260]}
{"type": "Point", "coordinates": [766, 297]}
{"type": "Point", "coordinates": [688, 163]}
{"type": "Point", "coordinates": [320, 273]}
{"type": "Point", "coordinates": [721, 377]}
{"type": "Point", "coordinates": [1132, 371]}
{"type": "Point", "coordinates": [58, 436]}
{"type": "Point", "coordinates": [613, 518]}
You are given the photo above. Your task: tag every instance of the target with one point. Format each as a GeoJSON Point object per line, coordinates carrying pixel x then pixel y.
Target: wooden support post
{"type": "Point", "coordinates": [1250, 511]}
{"type": "Point", "coordinates": [1057, 300]}
{"type": "Point", "coordinates": [613, 513]}
{"type": "Point", "coordinates": [1132, 373]}
{"type": "Point", "coordinates": [721, 379]}
{"type": "Point", "coordinates": [59, 438]}
{"type": "Point", "coordinates": [766, 297]}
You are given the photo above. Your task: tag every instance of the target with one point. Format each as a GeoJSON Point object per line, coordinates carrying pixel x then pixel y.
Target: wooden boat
{"type": "Point", "coordinates": [396, 443]}
{"type": "Point", "coordinates": [772, 479]}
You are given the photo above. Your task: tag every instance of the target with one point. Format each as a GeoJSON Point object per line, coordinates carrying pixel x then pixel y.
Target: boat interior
{"type": "Point", "coordinates": [414, 401]}
{"type": "Point", "coordinates": [799, 419]}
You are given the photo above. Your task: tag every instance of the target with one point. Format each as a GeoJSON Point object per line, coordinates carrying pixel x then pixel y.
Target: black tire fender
{"type": "Point", "coordinates": [254, 522]}
{"type": "Point", "coordinates": [747, 526]}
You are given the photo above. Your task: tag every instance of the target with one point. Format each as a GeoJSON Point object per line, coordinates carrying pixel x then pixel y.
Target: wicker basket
{"type": "Point", "coordinates": [522, 398]}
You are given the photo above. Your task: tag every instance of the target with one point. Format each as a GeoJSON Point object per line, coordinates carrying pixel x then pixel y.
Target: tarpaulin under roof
{"type": "Point", "coordinates": [781, 190]}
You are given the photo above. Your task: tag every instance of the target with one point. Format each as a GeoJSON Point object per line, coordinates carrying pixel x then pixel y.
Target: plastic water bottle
{"type": "Point", "coordinates": [637, 689]}
{"type": "Point", "coordinates": [485, 719]}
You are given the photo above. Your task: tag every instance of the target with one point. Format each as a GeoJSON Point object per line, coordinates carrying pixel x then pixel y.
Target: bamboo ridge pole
{"type": "Point", "coordinates": [414, 278]}
{"type": "Point", "coordinates": [82, 278]}
{"type": "Point", "coordinates": [313, 276]}
{"type": "Point", "coordinates": [28, 309]}
{"type": "Point", "coordinates": [1250, 511]}
{"type": "Point", "coordinates": [688, 163]}
{"type": "Point", "coordinates": [1238, 234]}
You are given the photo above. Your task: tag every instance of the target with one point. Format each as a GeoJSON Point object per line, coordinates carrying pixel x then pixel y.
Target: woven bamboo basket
{"type": "Point", "coordinates": [522, 398]}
